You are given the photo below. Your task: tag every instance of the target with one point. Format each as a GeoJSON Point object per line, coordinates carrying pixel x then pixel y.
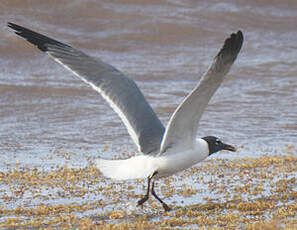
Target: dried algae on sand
{"type": "Point", "coordinates": [247, 193]}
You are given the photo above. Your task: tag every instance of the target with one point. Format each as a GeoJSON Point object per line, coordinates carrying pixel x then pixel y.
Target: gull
{"type": "Point", "coordinates": [164, 151]}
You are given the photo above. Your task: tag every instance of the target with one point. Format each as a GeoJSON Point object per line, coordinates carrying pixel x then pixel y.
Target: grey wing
{"type": "Point", "coordinates": [120, 91]}
{"type": "Point", "coordinates": [182, 127]}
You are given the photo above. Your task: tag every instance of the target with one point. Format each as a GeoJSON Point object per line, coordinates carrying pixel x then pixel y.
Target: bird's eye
{"type": "Point", "coordinates": [218, 142]}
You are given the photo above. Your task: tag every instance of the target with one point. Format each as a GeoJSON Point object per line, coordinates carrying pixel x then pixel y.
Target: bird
{"type": "Point", "coordinates": [162, 151]}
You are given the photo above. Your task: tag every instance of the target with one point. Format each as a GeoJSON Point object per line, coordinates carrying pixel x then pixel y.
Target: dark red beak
{"type": "Point", "coordinates": [229, 148]}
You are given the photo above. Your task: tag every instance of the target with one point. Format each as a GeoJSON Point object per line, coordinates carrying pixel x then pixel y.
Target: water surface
{"type": "Point", "coordinates": [164, 47]}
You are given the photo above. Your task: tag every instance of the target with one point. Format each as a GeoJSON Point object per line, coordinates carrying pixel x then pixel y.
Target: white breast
{"type": "Point", "coordinates": [145, 165]}
{"type": "Point", "coordinates": [172, 163]}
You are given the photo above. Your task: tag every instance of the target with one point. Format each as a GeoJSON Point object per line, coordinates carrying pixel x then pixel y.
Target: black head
{"type": "Point", "coordinates": [215, 145]}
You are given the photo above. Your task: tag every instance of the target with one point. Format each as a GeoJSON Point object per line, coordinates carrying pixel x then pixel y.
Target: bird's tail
{"type": "Point", "coordinates": [133, 168]}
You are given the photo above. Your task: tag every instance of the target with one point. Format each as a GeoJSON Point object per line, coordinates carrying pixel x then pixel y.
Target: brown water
{"type": "Point", "coordinates": [165, 46]}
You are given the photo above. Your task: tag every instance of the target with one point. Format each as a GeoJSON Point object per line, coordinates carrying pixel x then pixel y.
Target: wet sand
{"type": "Point", "coordinates": [245, 193]}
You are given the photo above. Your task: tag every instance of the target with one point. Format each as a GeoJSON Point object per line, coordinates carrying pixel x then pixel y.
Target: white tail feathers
{"type": "Point", "coordinates": [133, 168]}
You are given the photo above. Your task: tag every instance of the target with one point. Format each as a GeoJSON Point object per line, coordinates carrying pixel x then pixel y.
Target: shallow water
{"type": "Point", "coordinates": [165, 47]}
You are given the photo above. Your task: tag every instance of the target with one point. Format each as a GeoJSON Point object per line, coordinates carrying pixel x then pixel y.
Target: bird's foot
{"type": "Point", "coordinates": [166, 207]}
{"type": "Point", "coordinates": [141, 201]}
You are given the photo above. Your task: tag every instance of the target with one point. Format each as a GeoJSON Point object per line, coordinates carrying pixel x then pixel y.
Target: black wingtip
{"type": "Point", "coordinates": [233, 44]}
{"type": "Point", "coordinates": [239, 40]}
{"type": "Point", "coordinates": [12, 25]}
{"type": "Point", "coordinates": [35, 38]}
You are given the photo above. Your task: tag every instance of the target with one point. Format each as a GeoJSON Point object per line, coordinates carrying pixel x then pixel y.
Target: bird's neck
{"type": "Point", "coordinates": [201, 148]}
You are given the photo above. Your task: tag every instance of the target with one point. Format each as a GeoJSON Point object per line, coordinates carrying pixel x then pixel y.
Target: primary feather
{"type": "Point", "coordinates": [182, 127]}
{"type": "Point", "coordinates": [120, 91]}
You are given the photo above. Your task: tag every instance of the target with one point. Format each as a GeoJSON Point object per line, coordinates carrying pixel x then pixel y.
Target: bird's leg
{"type": "Point", "coordinates": [145, 198]}
{"type": "Point", "coordinates": [165, 206]}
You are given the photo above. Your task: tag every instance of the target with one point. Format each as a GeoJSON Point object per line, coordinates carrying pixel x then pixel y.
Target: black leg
{"type": "Point", "coordinates": [145, 198]}
{"type": "Point", "coordinates": [165, 206]}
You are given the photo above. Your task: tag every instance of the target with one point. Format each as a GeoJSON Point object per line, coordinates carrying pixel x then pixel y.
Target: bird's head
{"type": "Point", "coordinates": [215, 145]}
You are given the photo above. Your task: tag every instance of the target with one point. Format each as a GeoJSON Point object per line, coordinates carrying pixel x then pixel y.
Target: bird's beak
{"type": "Point", "coordinates": [229, 148]}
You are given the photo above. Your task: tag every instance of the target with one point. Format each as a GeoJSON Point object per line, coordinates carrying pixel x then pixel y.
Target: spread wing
{"type": "Point", "coordinates": [118, 90]}
{"type": "Point", "coordinates": [182, 127]}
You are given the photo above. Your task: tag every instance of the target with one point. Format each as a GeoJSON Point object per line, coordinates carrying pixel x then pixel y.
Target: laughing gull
{"type": "Point", "coordinates": [164, 151]}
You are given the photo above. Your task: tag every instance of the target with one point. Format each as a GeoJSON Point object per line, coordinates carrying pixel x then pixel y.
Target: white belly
{"type": "Point", "coordinates": [142, 166]}
{"type": "Point", "coordinates": [172, 163]}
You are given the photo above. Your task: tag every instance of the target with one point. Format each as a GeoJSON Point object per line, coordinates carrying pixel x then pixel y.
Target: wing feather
{"type": "Point", "coordinates": [182, 127]}
{"type": "Point", "coordinates": [120, 91]}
